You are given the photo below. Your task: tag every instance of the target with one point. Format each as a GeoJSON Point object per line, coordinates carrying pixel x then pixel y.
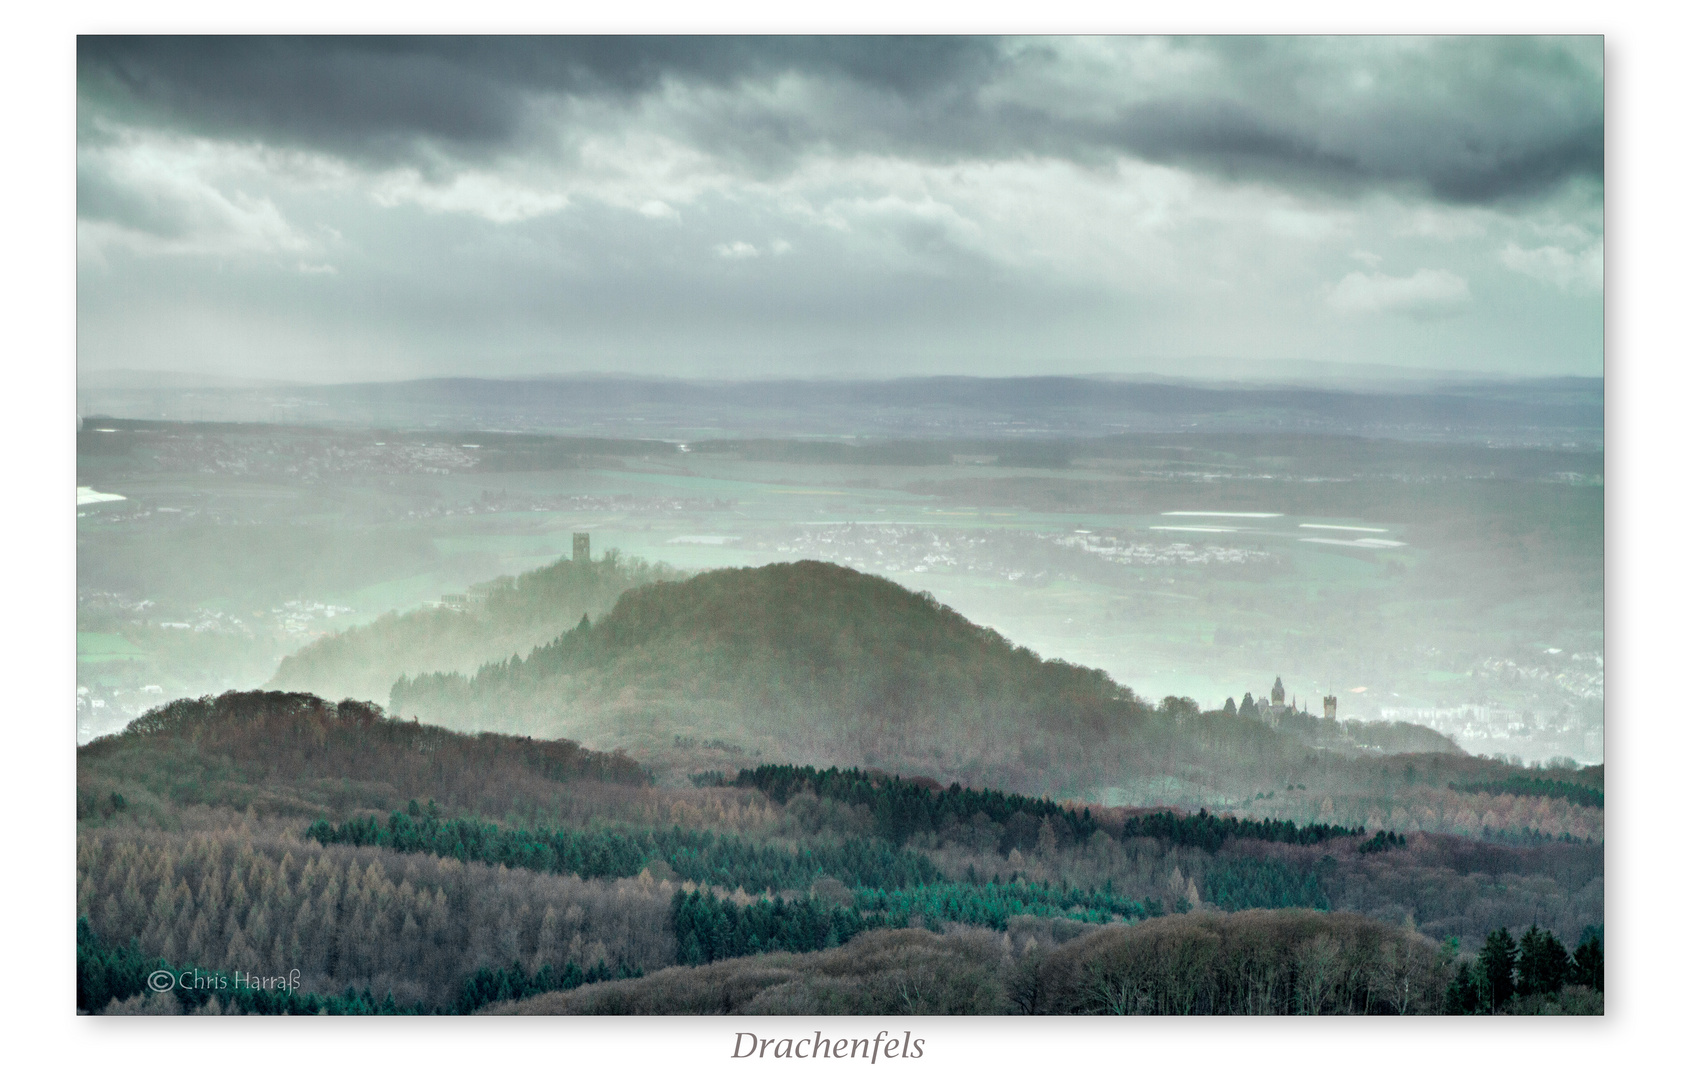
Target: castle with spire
{"type": "Point", "coordinates": [1275, 708]}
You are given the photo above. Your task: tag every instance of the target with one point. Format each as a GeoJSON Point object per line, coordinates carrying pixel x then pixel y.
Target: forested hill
{"type": "Point", "coordinates": [297, 753]}
{"type": "Point", "coordinates": [815, 662]}
{"type": "Point", "coordinates": [500, 618]}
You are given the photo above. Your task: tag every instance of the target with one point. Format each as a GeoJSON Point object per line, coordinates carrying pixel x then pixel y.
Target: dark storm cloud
{"type": "Point", "coordinates": [1455, 162]}
{"type": "Point", "coordinates": [360, 97]}
{"type": "Point", "coordinates": [1465, 120]}
{"type": "Point", "coordinates": [1469, 120]}
{"type": "Point", "coordinates": [375, 97]}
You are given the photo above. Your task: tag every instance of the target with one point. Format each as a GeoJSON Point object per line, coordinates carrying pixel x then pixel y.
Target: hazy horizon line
{"type": "Point", "coordinates": [1360, 374]}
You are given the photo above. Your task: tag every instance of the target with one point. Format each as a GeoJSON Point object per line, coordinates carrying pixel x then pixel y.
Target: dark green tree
{"type": "Point", "coordinates": [1542, 962]}
{"type": "Point", "coordinates": [1495, 964]}
{"type": "Point", "coordinates": [1466, 993]}
{"type": "Point", "coordinates": [1588, 963]}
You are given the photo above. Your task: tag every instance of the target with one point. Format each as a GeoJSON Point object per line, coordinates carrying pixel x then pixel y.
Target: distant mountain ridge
{"type": "Point", "coordinates": [947, 406]}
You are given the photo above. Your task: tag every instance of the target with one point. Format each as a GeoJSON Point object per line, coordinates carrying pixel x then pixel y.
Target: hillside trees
{"type": "Point", "coordinates": [817, 655]}
{"type": "Point", "coordinates": [1543, 963]}
{"type": "Point", "coordinates": [1210, 832]}
{"type": "Point", "coordinates": [902, 809]}
{"type": "Point", "coordinates": [120, 980]}
{"type": "Point", "coordinates": [1588, 963]}
{"type": "Point", "coordinates": [1495, 966]}
{"type": "Point", "coordinates": [1546, 788]}
{"type": "Point", "coordinates": [816, 662]}
{"type": "Point", "coordinates": [1519, 976]}
{"type": "Point", "coordinates": [278, 748]}
{"type": "Point", "coordinates": [727, 861]}
{"type": "Point", "coordinates": [1249, 963]}
{"type": "Point", "coordinates": [413, 925]}
{"type": "Point", "coordinates": [513, 615]}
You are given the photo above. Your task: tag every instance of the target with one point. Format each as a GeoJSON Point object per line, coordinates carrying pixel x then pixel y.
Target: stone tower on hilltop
{"type": "Point", "coordinates": [580, 547]}
{"type": "Point", "coordinates": [1278, 694]}
{"type": "Point", "coordinates": [1329, 704]}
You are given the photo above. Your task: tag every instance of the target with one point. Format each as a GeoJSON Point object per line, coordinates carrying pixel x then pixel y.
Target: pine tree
{"type": "Point", "coordinates": [1588, 964]}
{"type": "Point", "coordinates": [1495, 964]}
{"type": "Point", "coordinates": [1542, 962]}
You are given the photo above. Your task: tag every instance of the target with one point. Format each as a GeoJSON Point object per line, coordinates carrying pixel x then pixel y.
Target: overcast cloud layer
{"type": "Point", "coordinates": [370, 208]}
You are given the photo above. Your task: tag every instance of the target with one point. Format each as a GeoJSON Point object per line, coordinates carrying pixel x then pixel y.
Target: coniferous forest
{"type": "Point", "coordinates": [383, 865]}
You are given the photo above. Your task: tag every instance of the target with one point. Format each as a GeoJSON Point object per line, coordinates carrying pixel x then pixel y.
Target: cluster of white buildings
{"type": "Point", "coordinates": [1136, 553]}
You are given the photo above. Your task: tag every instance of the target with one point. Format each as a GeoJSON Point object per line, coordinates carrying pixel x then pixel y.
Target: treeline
{"type": "Point", "coordinates": [903, 808]}
{"type": "Point", "coordinates": [507, 616]}
{"type": "Point", "coordinates": [1381, 802]}
{"type": "Point", "coordinates": [709, 927]}
{"type": "Point", "coordinates": [107, 974]}
{"type": "Point", "coordinates": [1209, 832]}
{"type": "Point", "coordinates": [1535, 966]}
{"type": "Point", "coordinates": [1383, 841]}
{"type": "Point", "coordinates": [1540, 787]}
{"type": "Point", "coordinates": [995, 904]}
{"type": "Point", "coordinates": [730, 862]}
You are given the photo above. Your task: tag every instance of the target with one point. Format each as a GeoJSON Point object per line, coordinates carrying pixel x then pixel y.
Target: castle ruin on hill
{"type": "Point", "coordinates": [1275, 708]}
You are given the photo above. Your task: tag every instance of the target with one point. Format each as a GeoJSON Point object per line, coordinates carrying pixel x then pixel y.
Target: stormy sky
{"type": "Point", "coordinates": [366, 208]}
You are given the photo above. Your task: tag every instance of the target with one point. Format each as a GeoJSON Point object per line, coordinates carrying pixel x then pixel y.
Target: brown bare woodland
{"type": "Point", "coordinates": [1251, 963]}
{"type": "Point", "coordinates": [257, 899]}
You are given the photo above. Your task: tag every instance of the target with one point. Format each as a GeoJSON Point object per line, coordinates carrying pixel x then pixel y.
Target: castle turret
{"type": "Point", "coordinates": [1278, 690]}
{"type": "Point", "coordinates": [580, 547]}
{"type": "Point", "coordinates": [1329, 704]}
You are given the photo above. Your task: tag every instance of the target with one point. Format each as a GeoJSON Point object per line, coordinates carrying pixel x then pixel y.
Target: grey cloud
{"type": "Point", "coordinates": [364, 99]}
{"type": "Point", "coordinates": [1449, 156]}
{"type": "Point", "coordinates": [102, 197]}
{"type": "Point", "coordinates": [1464, 120]}
{"type": "Point", "coordinates": [891, 261]}
{"type": "Point", "coordinates": [372, 98]}
{"type": "Point", "coordinates": [1468, 120]}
